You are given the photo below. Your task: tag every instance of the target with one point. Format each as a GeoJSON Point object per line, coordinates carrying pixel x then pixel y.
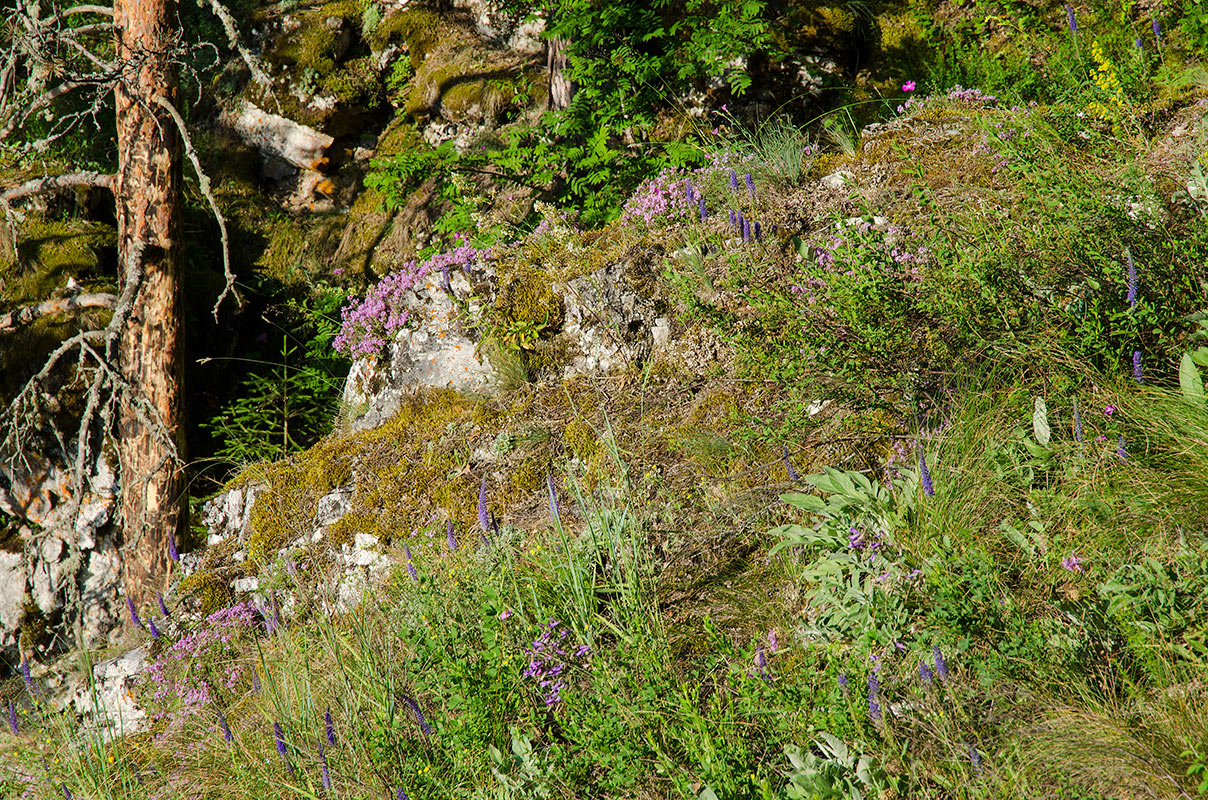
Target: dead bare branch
{"type": "Point", "coordinates": [203, 183]}
{"type": "Point", "coordinates": [253, 63]}
{"type": "Point", "coordinates": [72, 180]}
{"type": "Point", "coordinates": [58, 305]}
{"type": "Point", "coordinates": [41, 101]}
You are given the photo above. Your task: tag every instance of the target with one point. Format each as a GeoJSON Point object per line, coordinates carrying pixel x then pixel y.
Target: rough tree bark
{"type": "Point", "coordinates": [151, 349]}
{"type": "Point", "coordinates": [561, 90]}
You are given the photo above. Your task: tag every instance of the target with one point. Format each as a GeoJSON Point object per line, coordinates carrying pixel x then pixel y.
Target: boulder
{"type": "Point", "coordinates": [296, 144]}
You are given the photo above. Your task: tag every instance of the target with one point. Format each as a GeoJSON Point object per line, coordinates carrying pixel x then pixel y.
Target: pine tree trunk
{"type": "Point", "coordinates": [151, 349]}
{"type": "Point", "coordinates": [561, 90]}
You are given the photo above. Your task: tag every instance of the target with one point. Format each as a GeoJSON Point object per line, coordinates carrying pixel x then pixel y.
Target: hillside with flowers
{"type": "Point", "coordinates": [844, 449]}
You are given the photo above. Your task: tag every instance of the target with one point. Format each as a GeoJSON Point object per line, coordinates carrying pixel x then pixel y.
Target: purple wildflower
{"type": "Point", "coordinates": [401, 795]}
{"type": "Point", "coordinates": [1121, 450]}
{"type": "Point", "coordinates": [280, 737]}
{"type": "Point", "coordinates": [154, 630]}
{"type": "Point", "coordinates": [330, 726]}
{"type": "Point", "coordinates": [1157, 33]}
{"type": "Point", "coordinates": [1138, 373]}
{"type": "Point", "coordinates": [733, 180]}
{"type": "Point", "coordinates": [163, 607]}
{"type": "Point", "coordinates": [1137, 44]}
{"type": "Point", "coordinates": [419, 715]}
{"type": "Point", "coordinates": [733, 219]}
{"type": "Point", "coordinates": [843, 683]}
{"type": "Point", "coordinates": [702, 208]}
{"type": "Point", "coordinates": [758, 233]}
{"type": "Point", "coordinates": [1072, 563]}
{"type": "Point", "coordinates": [255, 681]}
{"type": "Point", "coordinates": [941, 666]}
{"type": "Point", "coordinates": [761, 660]}
{"type": "Point", "coordinates": [750, 184]}
{"type": "Point", "coordinates": [925, 474]}
{"type": "Point", "coordinates": [133, 614]}
{"type": "Point", "coordinates": [410, 563]}
{"type": "Point", "coordinates": [773, 642]}
{"type": "Point", "coordinates": [225, 728]}
{"type": "Point", "coordinates": [484, 518]}
{"type": "Point", "coordinates": [29, 681]}
{"type": "Point", "coordinates": [1132, 279]}
{"type": "Point", "coordinates": [553, 499]}
{"type": "Point", "coordinates": [452, 539]}
{"type": "Point", "coordinates": [925, 673]}
{"type": "Point", "coordinates": [688, 190]}
{"type": "Point", "coordinates": [1069, 18]}
{"type": "Point", "coordinates": [325, 774]}
{"type": "Point", "coordinates": [788, 465]}
{"type": "Point", "coordinates": [874, 690]}
{"type": "Point", "coordinates": [975, 758]}
{"type": "Point", "coordinates": [173, 553]}
{"type": "Point", "coordinates": [67, 793]}
{"type": "Point", "coordinates": [746, 230]}
{"type": "Point", "coordinates": [12, 717]}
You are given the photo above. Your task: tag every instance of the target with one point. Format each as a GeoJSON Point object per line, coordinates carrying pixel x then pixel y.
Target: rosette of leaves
{"type": "Point", "coordinates": [855, 595]}
{"type": "Point", "coordinates": [832, 770]}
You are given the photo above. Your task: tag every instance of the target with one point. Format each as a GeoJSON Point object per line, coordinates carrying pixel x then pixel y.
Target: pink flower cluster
{"type": "Point", "coordinates": [666, 196]}
{"type": "Point", "coordinates": [181, 680]}
{"type": "Point", "coordinates": [369, 323]}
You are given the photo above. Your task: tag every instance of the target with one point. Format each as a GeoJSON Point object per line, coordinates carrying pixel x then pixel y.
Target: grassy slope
{"type": "Point", "coordinates": [1062, 583]}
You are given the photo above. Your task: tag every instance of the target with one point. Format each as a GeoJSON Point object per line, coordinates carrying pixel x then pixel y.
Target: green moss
{"type": "Point", "coordinates": [48, 253]}
{"type": "Point", "coordinates": [208, 590]}
{"type": "Point", "coordinates": [582, 439]}
{"type": "Point", "coordinates": [416, 28]}
{"type": "Point", "coordinates": [357, 83]}
{"type": "Point", "coordinates": [33, 630]}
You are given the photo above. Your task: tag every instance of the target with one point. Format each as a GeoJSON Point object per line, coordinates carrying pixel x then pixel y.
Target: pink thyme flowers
{"type": "Point", "coordinates": [369, 323]}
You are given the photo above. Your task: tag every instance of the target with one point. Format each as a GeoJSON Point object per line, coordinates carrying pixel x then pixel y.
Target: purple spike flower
{"type": "Point", "coordinates": [788, 465]}
{"type": "Point", "coordinates": [733, 180]}
{"type": "Point", "coordinates": [761, 659]}
{"type": "Point", "coordinates": [67, 793]}
{"type": "Point", "coordinates": [12, 718]}
{"type": "Point", "coordinates": [702, 208]}
{"type": "Point", "coordinates": [484, 517]}
{"type": "Point", "coordinates": [225, 728]}
{"type": "Point", "coordinates": [1157, 33]}
{"type": "Point", "coordinates": [1069, 18]}
{"type": "Point", "coordinates": [750, 184]}
{"type": "Point", "coordinates": [1120, 448]}
{"type": "Point", "coordinates": [419, 715]}
{"type": "Point", "coordinates": [133, 614]}
{"type": "Point", "coordinates": [255, 681]}
{"type": "Point", "coordinates": [874, 690]}
{"type": "Point", "coordinates": [553, 499]}
{"type": "Point", "coordinates": [1138, 373]}
{"type": "Point", "coordinates": [280, 737]}
{"type": "Point", "coordinates": [325, 774]}
{"type": "Point", "coordinates": [173, 553]}
{"type": "Point", "coordinates": [163, 608]}
{"type": "Point", "coordinates": [975, 759]}
{"type": "Point", "coordinates": [843, 683]}
{"type": "Point", "coordinates": [330, 725]}
{"type": "Point", "coordinates": [410, 563]}
{"type": "Point", "coordinates": [401, 795]}
{"type": "Point", "coordinates": [941, 666]}
{"type": "Point", "coordinates": [449, 534]}
{"type": "Point", "coordinates": [1132, 279]}
{"type": "Point", "coordinates": [688, 190]}
{"type": "Point", "coordinates": [746, 229]}
{"type": "Point", "coordinates": [1137, 44]}
{"type": "Point", "coordinates": [758, 233]}
{"type": "Point", "coordinates": [154, 630]}
{"type": "Point", "coordinates": [29, 681]}
{"type": "Point", "coordinates": [925, 474]}
{"type": "Point", "coordinates": [925, 673]}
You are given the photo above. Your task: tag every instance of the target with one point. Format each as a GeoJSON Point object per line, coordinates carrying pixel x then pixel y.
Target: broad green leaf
{"type": "Point", "coordinates": [1016, 537]}
{"type": "Point", "coordinates": [1190, 380]}
{"type": "Point", "coordinates": [1040, 422]}
{"type": "Point", "coordinates": [809, 502]}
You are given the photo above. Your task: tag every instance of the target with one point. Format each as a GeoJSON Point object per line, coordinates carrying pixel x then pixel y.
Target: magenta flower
{"type": "Point", "coordinates": [908, 86]}
{"type": "Point", "coordinates": [1072, 563]}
